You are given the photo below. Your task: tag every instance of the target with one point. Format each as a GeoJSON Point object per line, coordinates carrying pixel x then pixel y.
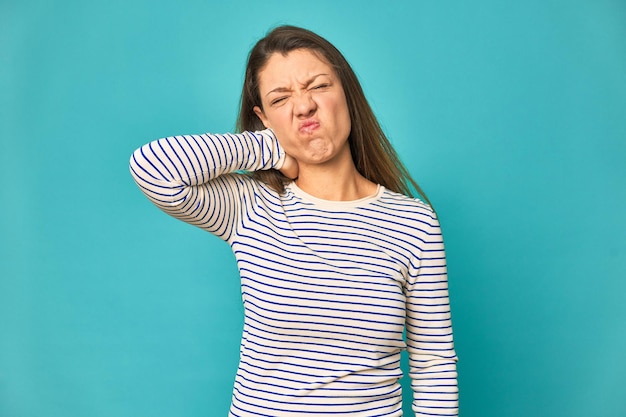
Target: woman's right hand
{"type": "Point", "coordinates": [290, 167]}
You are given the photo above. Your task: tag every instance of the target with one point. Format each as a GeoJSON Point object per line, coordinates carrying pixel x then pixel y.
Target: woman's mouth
{"type": "Point", "coordinates": [308, 126]}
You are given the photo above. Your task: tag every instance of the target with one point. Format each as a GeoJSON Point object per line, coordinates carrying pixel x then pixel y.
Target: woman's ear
{"type": "Point", "coordinates": [261, 116]}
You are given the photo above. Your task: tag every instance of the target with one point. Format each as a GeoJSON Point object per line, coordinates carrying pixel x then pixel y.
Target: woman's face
{"type": "Point", "coordinates": [305, 105]}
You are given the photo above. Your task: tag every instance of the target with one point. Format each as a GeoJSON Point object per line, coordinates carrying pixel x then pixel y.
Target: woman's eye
{"type": "Point", "coordinates": [278, 100]}
{"type": "Point", "coordinates": [320, 86]}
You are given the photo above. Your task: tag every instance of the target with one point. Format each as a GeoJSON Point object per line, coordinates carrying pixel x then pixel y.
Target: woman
{"type": "Point", "coordinates": [336, 259]}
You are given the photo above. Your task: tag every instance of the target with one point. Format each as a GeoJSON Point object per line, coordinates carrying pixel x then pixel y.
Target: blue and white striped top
{"type": "Point", "coordinates": [328, 286]}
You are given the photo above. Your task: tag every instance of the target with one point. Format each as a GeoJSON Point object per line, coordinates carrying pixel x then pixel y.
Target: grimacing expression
{"type": "Point", "coordinates": [304, 103]}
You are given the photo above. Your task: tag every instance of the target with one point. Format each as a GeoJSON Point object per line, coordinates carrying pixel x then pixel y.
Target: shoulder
{"type": "Point", "coordinates": [405, 206]}
{"type": "Point", "coordinates": [410, 219]}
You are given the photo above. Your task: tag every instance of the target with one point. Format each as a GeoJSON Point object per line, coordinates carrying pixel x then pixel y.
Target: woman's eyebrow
{"type": "Point", "coordinates": [278, 90]}
{"type": "Point", "coordinates": [305, 84]}
{"type": "Point", "coordinates": [310, 80]}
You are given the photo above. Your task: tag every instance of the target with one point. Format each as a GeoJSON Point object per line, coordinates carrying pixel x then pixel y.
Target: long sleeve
{"type": "Point", "coordinates": [432, 359]}
{"type": "Point", "coordinates": [195, 177]}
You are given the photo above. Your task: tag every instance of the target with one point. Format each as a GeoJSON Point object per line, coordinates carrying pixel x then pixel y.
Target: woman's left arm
{"type": "Point", "coordinates": [432, 359]}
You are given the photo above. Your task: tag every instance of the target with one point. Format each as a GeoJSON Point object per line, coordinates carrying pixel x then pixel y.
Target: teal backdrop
{"type": "Point", "coordinates": [511, 115]}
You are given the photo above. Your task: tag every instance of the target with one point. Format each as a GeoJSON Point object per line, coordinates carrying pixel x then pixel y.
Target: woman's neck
{"type": "Point", "coordinates": [335, 182]}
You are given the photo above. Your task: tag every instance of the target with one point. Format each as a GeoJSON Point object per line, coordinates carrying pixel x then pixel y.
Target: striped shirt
{"type": "Point", "coordinates": [333, 291]}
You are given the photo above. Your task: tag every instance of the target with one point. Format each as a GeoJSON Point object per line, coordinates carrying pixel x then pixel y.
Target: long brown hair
{"type": "Point", "coordinates": [372, 153]}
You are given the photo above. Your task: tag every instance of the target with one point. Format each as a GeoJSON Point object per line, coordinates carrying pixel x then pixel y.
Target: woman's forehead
{"type": "Point", "coordinates": [299, 65]}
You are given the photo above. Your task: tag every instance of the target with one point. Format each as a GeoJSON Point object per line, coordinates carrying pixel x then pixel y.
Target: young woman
{"type": "Point", "coordinates": [337, 260]}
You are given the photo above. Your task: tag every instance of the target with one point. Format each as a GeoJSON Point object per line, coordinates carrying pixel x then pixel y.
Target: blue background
{"type": "Point", "coordinates": [511, 115]}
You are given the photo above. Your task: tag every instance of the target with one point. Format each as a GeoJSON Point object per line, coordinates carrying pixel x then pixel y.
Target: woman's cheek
{"type": "Point", "coordinates": [289, 146]}
{"type": "Point", "coordinates": [284, 136]}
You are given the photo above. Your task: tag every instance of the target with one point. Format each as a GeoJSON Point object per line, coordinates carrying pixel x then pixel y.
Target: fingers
{"type": "Point", "coordinates": [290, 168]}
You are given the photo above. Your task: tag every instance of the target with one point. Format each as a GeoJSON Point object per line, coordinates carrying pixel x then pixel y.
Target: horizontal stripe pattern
{"type": "Point", "coordinates": [332, 291]}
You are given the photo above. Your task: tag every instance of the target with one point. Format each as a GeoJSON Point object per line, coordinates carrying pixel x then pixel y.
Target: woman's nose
{"type": "Point", "coordinates": [304, 105]}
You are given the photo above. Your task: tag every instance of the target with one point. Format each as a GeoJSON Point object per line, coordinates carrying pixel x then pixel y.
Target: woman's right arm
{"type": "Point", "coordinates": [194, 179]}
